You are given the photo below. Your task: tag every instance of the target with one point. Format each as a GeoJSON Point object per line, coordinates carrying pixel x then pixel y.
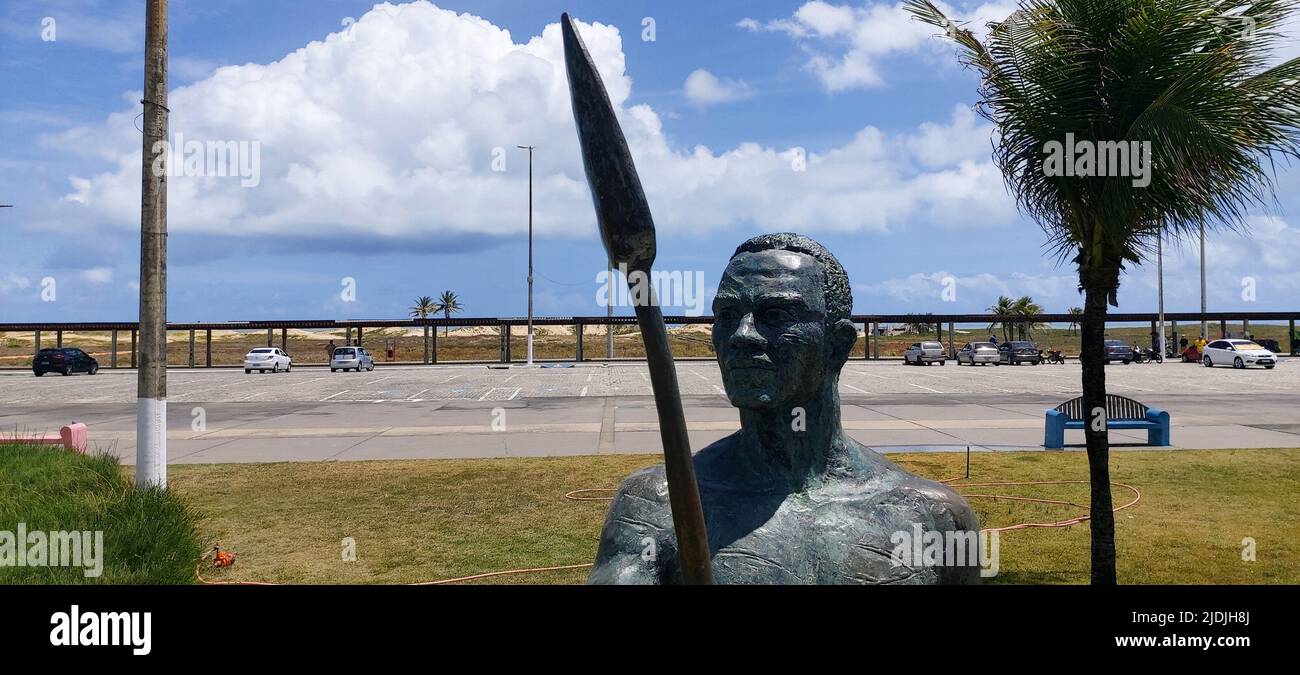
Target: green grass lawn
{"type": "Point", "coordinates": [149, 536]}
{"type": "Point", "coordinates": [423, 520]}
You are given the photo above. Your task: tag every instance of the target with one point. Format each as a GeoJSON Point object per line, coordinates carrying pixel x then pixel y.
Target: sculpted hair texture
{"type": "Point", "coordinates": [839, 299]}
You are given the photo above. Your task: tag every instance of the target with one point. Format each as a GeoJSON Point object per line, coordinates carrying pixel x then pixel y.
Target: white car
{"type": "Point", "coordinates": [924, 353]}
{"type": "Point", "coordinates": [263, 359]}
{"type": "Point", "coordinates": [351, 358]}
{"type": "Point", "coordinates": [978, 352]}
{"type": "Point", "coordinates": [1238, 354]}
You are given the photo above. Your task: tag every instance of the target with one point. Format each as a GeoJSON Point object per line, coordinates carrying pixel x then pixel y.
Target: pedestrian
{"type": "Point", "coordinates": [329, 351]}
{"type": "Point", "coordinates": [993, 339]}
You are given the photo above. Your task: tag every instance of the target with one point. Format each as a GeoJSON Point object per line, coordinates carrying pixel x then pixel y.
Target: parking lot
{"type": "Point", "coordinates": [225, 415]}
{"type": "Point", "coordinates": [482, 383]}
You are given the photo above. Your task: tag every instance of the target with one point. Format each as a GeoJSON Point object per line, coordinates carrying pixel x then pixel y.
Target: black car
{"type": "Point", "coordinates": [1019, 351]}
{"type": "Point", "coordinates": [1270, 345]}
{"type": "Point", "coordinates": [64, 360]}
{"type": "Point", "coordinates": [1117, 350]}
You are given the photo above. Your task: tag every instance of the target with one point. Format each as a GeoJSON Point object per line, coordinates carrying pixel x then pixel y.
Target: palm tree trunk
{"type": "Point", "coordinates": [1097, 285]}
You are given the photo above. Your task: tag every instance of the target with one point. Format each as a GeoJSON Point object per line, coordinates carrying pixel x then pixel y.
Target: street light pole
{"type": "Point", "coordinates": [609, 312]}
{"type": "Point", "coordinates": [1205, 327]}
{"type": "Point", "coordinates": [1160, 288]}
{"type": "Point", "coordinates": [529, 148]}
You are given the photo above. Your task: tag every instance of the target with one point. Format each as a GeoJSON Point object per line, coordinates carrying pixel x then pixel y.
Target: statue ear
{"type": "Point", "coordinates": [842, 336]}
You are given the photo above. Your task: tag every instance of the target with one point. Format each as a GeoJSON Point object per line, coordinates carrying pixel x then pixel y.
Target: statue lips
{"type": "Point", "coordinates": [749, 364]}
{"type": "Point", "coordinates": [750, 378]}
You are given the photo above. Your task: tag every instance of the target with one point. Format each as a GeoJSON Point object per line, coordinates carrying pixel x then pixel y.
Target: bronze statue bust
{"type": "Point", "coordinates": [790, 498]}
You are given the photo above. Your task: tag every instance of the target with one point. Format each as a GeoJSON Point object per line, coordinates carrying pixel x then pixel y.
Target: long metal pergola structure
{"type": "Point", "coordinates": [870, 323]}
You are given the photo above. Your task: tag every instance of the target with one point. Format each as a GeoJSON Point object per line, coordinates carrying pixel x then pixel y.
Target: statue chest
{"type": "Point", "coordinates": [798, 541]}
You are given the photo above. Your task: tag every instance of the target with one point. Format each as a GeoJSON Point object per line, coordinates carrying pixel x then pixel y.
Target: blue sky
{"type": "Point", "coordinates": [385, 139]}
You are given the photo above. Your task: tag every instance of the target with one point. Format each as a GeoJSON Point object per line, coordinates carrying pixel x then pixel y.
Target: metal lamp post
{"type": "Point", "coordinates": [1205, 327]}
{"type": "Point", "coordinates": [1160, 289]}
{"type": "Point", "coordinates": [529, 148]}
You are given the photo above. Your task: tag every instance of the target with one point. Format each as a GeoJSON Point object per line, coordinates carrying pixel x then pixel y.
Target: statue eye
{"type": "Point", "coordinates": [776, 315]}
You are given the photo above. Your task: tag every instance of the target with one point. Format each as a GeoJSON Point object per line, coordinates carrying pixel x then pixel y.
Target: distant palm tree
{"type": "Point", "coordinates": [423, 307]}
{"type": "Point", "coordinates": [1183, 85]}
{"type": "Point", "coordinates": [1076, 317]}
{"type": "Point", "coordinates": [448, 303]}
{"type": "Point", "coordinates": [1028, 310]}
{"type": "Point", "coordinates": [1004, 307]}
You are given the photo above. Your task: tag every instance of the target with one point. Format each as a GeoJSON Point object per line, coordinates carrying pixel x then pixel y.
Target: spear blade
{"type": "Point", "coordinates": [626, 226]}
{"type": "Point", "coordinates": [628, 232]}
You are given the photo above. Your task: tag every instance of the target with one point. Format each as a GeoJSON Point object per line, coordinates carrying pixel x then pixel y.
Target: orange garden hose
{"type": "Point", "coordinates": [580, 496]}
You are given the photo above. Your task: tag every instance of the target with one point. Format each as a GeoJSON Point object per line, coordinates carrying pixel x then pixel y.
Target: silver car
{"type": "Point", "coordinates": [351, 358]}
{"type": "Point", "coordinates": [978, 353]}
{"type": "Point", "coordinates": [924, 353]}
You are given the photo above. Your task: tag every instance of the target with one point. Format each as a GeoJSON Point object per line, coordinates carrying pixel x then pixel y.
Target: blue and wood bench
{"type": "Point", "coordinates": [1121, 413]}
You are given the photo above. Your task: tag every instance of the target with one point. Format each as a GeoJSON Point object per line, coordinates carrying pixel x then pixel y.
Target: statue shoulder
{"type": "Point", "coordinates": [648, 486]}
{"type": "Point", "coordinates": [913, 497]}
{"type": "Point", "coordinates": [948, 509]}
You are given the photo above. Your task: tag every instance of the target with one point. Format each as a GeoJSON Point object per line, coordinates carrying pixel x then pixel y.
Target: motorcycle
{"type": "Point", "coordinates": [1055, 356]}
{"type": "Point", "coordinates": [1147, 355]}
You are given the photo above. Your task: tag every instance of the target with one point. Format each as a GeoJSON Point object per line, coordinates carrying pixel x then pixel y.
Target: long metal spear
{"type": "Point", "coordinates": [628, 231]}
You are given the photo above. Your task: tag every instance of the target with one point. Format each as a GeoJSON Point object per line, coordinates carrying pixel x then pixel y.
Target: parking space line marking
{"type": "Point", "coordinates": [412, 396]}
{"type": "Point", "coordinates": [333, 395]}
{"type": "Point", "coordinates": [583, 392]}
{"type": "Point", "coordinates": [860, 391]}
{"type": "Point", "coordinates": [720, 391]}
{"type": "Point", "coordinates": [925, 388]}
{"type": "Point", "coordinates": [512, 396]}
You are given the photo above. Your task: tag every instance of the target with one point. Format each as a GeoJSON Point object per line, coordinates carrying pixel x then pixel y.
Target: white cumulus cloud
{"type": "Point", "coordinates": [705, 89]}
{"type": "Point", "coordinates": [845, 43]}
{"type": "Point", "coordinates": [403, 126]}
{"type": "Point", "coordinates": [98, 275]}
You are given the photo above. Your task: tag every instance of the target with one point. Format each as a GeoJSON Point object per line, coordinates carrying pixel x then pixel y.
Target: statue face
{"type": "Point", "coordinates": [769, 330]}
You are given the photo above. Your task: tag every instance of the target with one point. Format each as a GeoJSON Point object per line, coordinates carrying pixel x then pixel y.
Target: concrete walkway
{"type": "Point", "coordinates": [224, 432]}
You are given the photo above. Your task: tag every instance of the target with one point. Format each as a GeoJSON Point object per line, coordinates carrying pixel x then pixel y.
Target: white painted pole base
{"type": "Point", "coordinates": [151, 442]}
{"type": "Point", "coordinates": [530, 348]}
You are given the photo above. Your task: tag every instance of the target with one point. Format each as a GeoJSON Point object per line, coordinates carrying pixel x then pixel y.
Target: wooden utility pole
{"type": "Point", "coordinates": [151, 384]}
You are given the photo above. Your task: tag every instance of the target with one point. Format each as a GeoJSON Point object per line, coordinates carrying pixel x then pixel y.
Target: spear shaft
{"type": "Point", "coordinates": [627, 229]}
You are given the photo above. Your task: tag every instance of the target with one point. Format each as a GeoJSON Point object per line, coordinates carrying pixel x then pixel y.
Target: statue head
{"type": "Point", "coordinates": [781, 327]}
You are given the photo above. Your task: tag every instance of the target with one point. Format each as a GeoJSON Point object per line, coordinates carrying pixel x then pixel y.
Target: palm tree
{"type": "Point", "coordinates": [1076, 317]}
{"type": "Point", "coordinates": [1028, 311]}
{"type": "Point", "coordinates": [1004, 307]}
{"type": "Point", "coordinates": [423, 307]}
{"type": "Point", "coordinates": [1179, 81]}
{"type": "Point", "coordinates": [448, 303]}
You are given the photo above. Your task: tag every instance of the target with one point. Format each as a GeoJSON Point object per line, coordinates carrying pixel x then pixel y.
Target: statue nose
{"type": "Point", "coordinates": [746, 334]}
